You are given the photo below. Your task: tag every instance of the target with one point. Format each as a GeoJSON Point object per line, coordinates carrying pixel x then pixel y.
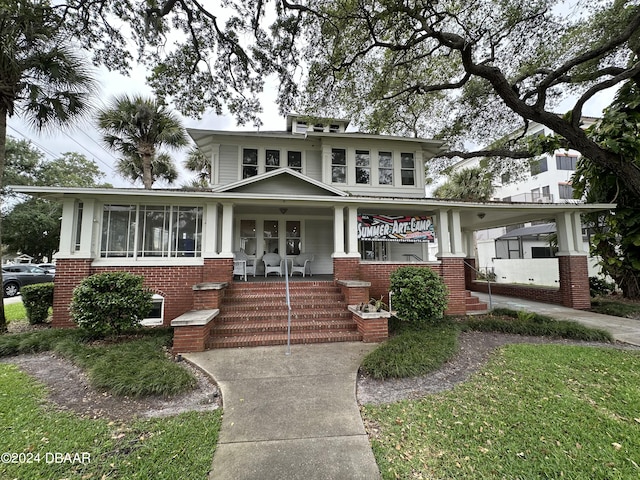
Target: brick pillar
{"type": "Point", "coordinates": [574, 281]}
{"type": "Point", "coordinates": [218, 270]}
{"type": "Point", "coordinates": [69, 273]}
{"type": "Point", "coordinates": [469, 272]}
{"type": "Point", "coordinates": [453, 275]}
{"type": "Point", "coordinates": [346, 268]}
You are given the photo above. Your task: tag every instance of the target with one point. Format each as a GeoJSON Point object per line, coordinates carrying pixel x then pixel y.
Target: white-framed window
{"type": "Point", "coordinates": [385, 168]}
{"type": "Point", "coordinates": [407, 169]}
{"type": "Point", "coordinates": [78, 225]}
{"type": "Point", "coordinates": [156, 316]}
{"type": "Point", "coordinates": [272, 159]}
{"type": "Point", "coordinates": [363, 167]}
{"type": "Point", "coordinates": [249, 162]}
{"type": "Point", "coordinates": [151, 231]}
{"type": "Point", "coordinates": [294, 160]}
{"type": "Point", "coordinates": [338, 165]}
{"type": "Point", "coordinates": [565, 190]}
{"type": "Point", "coordinates": [538, 166]}
{"type": "Point", "coordinates": [301, 127]}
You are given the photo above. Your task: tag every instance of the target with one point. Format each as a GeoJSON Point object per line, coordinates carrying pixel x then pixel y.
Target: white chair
{"type": "Point", "coordinates": [272, 263]}
{"type": "Point", "coordinates": [242, 265]}
{"type": "Point", "coordinates": [301, 264]}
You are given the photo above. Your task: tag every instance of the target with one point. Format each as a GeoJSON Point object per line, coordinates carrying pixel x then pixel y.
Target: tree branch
{"type": "Point", "coordinates": [516, 154]}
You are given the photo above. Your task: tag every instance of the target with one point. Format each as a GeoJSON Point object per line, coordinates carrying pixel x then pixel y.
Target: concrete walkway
{"type": "Point", "coordinates": [290, 416]}
{"type": "Point", "coordinates": [623, 329]}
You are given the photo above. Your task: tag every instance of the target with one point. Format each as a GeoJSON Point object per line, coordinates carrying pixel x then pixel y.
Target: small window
{"type": "Point", "coordinates": [538, 166]}
{"type": "Point", "coordinates": [385, 168]}
{"type": "Point", "coordinates": [566, 162]}
{"type": "Point", "coordinates": [272, 160]}
{"type": "Point", "coordinates": [301, 127]}
{"type": "Point", "coordinates": [363, 167]}
{"type": "Point", "coordinates": [334, 128]}
{"type": "Point", "coordinates": [156, 315]}
{"type": "Point", "coordinates": [565, 190]}
{"type": "Point", "coordinates": [294, 161]}
{"type": "Point", "coordinates": [408, 169]}
{"type": "Point", "coordinates": [78, 225]}
{"type": "Point", "coordinates": [318, 127]}
{"type": "Point", "coordinates": [249, 162]}
{"type": "Point", "coordinates": [339, 165]}
{"type": "Point", "coordinates": [535, 194]}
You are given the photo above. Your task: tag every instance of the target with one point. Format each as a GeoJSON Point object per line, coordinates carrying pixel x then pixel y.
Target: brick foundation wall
{"type": "Point", "coordinates": [191, 339]}
{"type": "Point", "coordinates": [373, 330]}
{"type": "Point", "coordinates": [527, 292]}
{"type": "Point", "coordinates": [174, 283]}
{"type": "Point", "coordinates": [453, 275]}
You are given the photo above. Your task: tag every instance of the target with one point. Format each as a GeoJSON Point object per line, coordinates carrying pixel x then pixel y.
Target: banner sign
{"type": "Point", "coordinates": [396, 228]}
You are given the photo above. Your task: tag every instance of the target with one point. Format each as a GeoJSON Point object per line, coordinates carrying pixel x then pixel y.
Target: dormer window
{"type": "Point", "coordinates": [334, 128]}
{"type": "Point", "coordinates": [301, 127]}
{"type": "Point", "coordinates": [318, 127]}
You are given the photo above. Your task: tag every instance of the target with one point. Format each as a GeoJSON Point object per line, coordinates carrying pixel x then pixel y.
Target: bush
{"type": "Point", "coordinates": [419, 295]}
{"type": "Point", "coordinates": [598, 287]}
{"type": "Point", "coordinates": [109, 303]}
{"type": "Point", "coordinates": [37, 300]}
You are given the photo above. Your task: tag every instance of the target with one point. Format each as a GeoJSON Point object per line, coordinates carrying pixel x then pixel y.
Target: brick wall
{"type": "Point", "coordinates": [574, 281]}
{"type": "Point", "coordinates": [346, 268]}
{"type": "Point", "coordinates": [174, 283]}
{"type": "Point", "coordinates": [527, 292]}
{"type": "Point", "coordinates": [453, 275]}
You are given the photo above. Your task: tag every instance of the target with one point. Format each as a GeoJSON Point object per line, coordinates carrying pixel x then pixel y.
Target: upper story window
{"type": "Point", "coordinates": [249, 162]}
{"type": "Point", "coordinates": [339, 165]}
{"type": "Point", "coordinates": [301, 127]}
{"type": "Point", "coordinates": [538, 166]}
{"type": "Point", "coordinates": [139, 231]}
{"type": "Point", "coordinates": [294, 161]}
{"type": "Point", "coordinates": [566, 162]}
{"type": "Point", "coordinates": [408, 169]}
{"type": "Point", "coordinates": [334, 128]}
{"type": "Point", "coordinates": [363, 167]}
{"type": "Point", "coordinates": [272, 160]}
{"type": "Point", "coordinates": [385, 168]}
{"type": "Point", "coordinates": [565, 191]}
{"type": "Point", "coordinates": [318, 127]}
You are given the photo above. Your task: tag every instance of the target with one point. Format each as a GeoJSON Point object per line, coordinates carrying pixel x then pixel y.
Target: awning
{"type": "Point", "coordinates": [532, 231]}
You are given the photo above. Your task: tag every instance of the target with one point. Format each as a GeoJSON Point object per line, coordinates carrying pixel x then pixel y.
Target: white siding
{"type": "Point", "coordinates": [228, 164]}
{"type": "Point", "coordinates": [319, 241]}
{"type": "Point", "coordinates": [313, 167]}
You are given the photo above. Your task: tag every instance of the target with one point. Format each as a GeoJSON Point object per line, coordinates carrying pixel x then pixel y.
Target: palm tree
{"type": "Point", "coordinates": [162, 168]}
{"type": "Point", "coordinates": [136, 126]}
{"type": "Point", "coordinates": [199, 164]}
{"type": "Point", "coordinates": [41, 77]}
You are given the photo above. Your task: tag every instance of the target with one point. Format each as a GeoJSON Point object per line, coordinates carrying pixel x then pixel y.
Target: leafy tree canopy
{"type": "Point", "coordinates": [465, 72]}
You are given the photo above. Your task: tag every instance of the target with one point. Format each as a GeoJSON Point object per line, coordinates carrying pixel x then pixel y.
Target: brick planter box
{"type": "Point", "coordinates": [373, 326]}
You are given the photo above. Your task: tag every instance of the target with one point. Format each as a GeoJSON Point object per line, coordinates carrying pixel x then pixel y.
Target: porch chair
{"type": "Point", "coordinates": [242, 265]}
{"type": "Point", "coordinates": [301, 264]}
{"type": "Point", "coordinates": [272, 263]}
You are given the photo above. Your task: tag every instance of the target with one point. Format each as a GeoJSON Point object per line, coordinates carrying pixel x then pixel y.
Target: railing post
{"type": "Point", "coordinates": [286, 282]}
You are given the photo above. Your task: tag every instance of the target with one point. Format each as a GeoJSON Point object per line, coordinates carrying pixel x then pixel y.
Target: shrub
{"type": "Point", "coordinates": [108, 303]}
{"type": "Point", "coordinates": [37, 300]}
{"type": "Point", "coordinates": [598, 287]}
{"type": "Point", "coordinates": [419, 295]}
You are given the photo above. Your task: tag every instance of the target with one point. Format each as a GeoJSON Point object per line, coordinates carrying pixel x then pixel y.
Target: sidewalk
{"type": "Point", "coordinates": [623, 329]}
{"type": "Point", "coordinates": [290, 416]}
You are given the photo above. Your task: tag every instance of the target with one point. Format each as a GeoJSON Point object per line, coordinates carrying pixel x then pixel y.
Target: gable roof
{"type": "Point", "coordinates": [301, 184]}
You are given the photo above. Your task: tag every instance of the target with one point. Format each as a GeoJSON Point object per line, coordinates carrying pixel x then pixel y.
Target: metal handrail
{"type": "Point", "coordinates": [488, 282]}
{"type": "Point", "coordinates": [288, 297]}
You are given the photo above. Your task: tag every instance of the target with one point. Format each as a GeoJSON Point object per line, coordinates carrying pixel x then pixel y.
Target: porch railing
{"type": "Point", "coordinates": [288, 297]}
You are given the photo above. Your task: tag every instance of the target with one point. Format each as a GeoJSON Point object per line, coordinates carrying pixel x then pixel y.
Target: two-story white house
{"type": "Point", "coordinates": [352, 203]}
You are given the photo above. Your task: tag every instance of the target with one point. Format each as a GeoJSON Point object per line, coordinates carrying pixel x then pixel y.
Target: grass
{"type": "Point", "coordinates": [617, 308]}
{"type": "Point", "coordinates": [167, 448]}
{"type": "Point", "coordinates": [412, 352]}
{"type": "Point", "coordinates": [15, 311]}
{"type": "Point", "coordinates": [134, 367]}
{"type": "Point", "coordinates": [535, 411]}
{"type": "Point", "coordinates": [527, 323]}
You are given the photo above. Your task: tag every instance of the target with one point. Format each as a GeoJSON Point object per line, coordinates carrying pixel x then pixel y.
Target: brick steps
{"type": "Point", "coordinates": [473, 304]}
{"type": "Point", "coordinates": [255, 314]}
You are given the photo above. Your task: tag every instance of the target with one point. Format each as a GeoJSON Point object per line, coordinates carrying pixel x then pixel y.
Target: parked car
{"type": "Point", "coordinates": [16, 276]}
{"type": "Point", "coordinates": [48, 267]}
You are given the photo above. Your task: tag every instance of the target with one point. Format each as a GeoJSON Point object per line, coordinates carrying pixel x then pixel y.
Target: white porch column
{"type": "Point", "coordinates": [352, 231]}
{"type": "Point", "coordinates": [67, 239]}
{"type": "Point", "coordinates": [468, 244]}
{"type": "Point", "coordinates": [442, 217]}
{"type": "Point", "coordinates": [565, 233]}
{"type": "Point", "coordinates": [226, 248]}
{"type": "Point", "coordinates": [455, 233]}
{"type": "Point", "coordinates": [87, 229]}
{"type": "Point", "coordinates": [338, 231]}
{"type": "Point", "coordinates": [210, 233]}
{"type": "Point", "coordinates": [577, 233]}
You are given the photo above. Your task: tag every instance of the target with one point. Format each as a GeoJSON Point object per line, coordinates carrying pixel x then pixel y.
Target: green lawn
{"type": "Point", "coordinates": [15, 311]}
{"type": "Point", "coordinates": [542, 411]}
{"type": "Point", "coordinates": [168, 448]}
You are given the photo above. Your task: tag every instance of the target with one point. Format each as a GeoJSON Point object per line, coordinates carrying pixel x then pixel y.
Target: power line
{"type": "Point", "coordinates": [110, 167]}
{"type": "Point", "coordinates": [44, 149]}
